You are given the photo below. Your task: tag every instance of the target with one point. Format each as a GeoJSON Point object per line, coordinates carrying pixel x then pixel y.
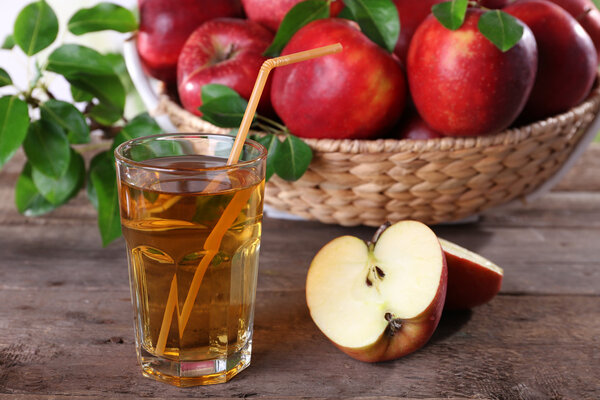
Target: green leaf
{"type": "Point", "coordinates": [105, 114]}
{"type": "Point", "coordinates": [74, 60]}
{"type": "Point", "coordinates": [28, 199]}
{"type": "Point", "coordinates": [346, 13]}
{"type": "Point", "coordinates": [292, 158]}
{"type": "Point", "coordinates": [104, 16]}
{"type": "Point", "coordinates": [47, 148]}
{"type": "Point", "coordinates": [271, 143]}
{"type": "Point", "coordinates": [500, 28]}
{"type": "Point", "coordinates": [451, 14]}
{"type": "Point", "coordinates": [69, 118]}
{"type": "Point", "coordinates": [118, 63]}
{"type": "Point", "coordinates": [36, 27]}
{"type": "Point", "coordinates": [104, 179]}
{"type": "Point", "coordinates": [90, 189]}
{"type": "Point", "coordinates": [107, 89]}
{"type": "Point", "coordinates": [14, 121]}
{"type": "Point", "coordinates": [213, 91]}
{"type": "Point", "coordinates": [596, 3]}
{"type": "Point", "coordinates": [4, 78]}
{"type": "Point", "coordinates": [300, 15]}
{"type": "Point", "coordinates": [80, 95]}
{"type": "Point", "coordinates": [9, 42]}
{"type": "Point", "coordinates": [60, 190]}
{"type": "Point", "coordinates": [225, 112]}
{"type": "Point", "coordinates": [378, 20]}
{"type": "Point", "coordinates": [140, 126]}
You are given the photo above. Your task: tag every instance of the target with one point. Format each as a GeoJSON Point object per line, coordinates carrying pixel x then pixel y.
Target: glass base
{"type": "Point", "coordinates": [194, 373]}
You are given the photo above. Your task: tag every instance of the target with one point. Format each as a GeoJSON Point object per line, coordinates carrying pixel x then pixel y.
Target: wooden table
{"type": "Point", "coordinates": [66, 321]}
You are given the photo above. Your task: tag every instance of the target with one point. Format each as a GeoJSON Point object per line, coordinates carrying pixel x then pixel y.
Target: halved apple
{"type": "Point", "coordinates": [380, 300]}
{"type": "Point", "coordinates": [472, 279]}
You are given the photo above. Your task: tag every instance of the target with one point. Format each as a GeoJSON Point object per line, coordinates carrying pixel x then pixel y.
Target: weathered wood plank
{"type": "Point", "coordinates": [54, 341]}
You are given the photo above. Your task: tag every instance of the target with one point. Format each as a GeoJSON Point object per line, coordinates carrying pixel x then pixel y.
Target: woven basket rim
{"type": "Point", "coordinates": [370, 146]}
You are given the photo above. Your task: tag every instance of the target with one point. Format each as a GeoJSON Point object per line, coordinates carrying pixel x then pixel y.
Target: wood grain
{"type": "Point", "coordinates": [66, 318]}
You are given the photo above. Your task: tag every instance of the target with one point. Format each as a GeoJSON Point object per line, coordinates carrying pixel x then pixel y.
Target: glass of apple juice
{"type": "Point", "coordinates": [192, 227]}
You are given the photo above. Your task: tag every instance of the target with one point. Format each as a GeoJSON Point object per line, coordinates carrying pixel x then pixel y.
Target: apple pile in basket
{"type": "Point", "coordinates": [409, 70]}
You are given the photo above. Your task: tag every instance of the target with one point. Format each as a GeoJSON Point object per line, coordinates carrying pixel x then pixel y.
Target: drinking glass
{"type": "Point", "coordinates": [192, 227]}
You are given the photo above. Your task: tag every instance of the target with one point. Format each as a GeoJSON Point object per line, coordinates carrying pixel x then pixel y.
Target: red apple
{"type": "Point", "coordinates": [586, 13]}
{"type": "Point", "coordinates": [355, 94]}
{"type": "Point", "coordinates": [270, 13]}
{"type": "Point", "coordinates": [165, 25]}
{"type": "Point", "coordinates": [417, 129]}
{"type": "Point", "coordinates": [567, 58]}
{"type": "Point", "coordinates": [379, 301]}
{"type": "Point", "coordinates": [462, 84]}
{"type": "Point", "coordinates": [493, 4]}
{"type": "Point", "coordinates": [411, 13]}
{"type": "Point", "coordinates": [226, 51]}
{"type": "Point", "coordinates": [472, 279]}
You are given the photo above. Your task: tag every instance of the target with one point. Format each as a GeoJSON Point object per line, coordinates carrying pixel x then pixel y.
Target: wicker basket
{"type": "Point", "coordinates": [369, 182]}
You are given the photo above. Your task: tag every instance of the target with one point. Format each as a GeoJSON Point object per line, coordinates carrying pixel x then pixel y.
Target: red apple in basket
{"type": "Point", "coordinates": [462, 84]}
{"type": "Point", "coordinates": [493, 4]}
{"type": "Point", "coordinates": [226, 51]}
{"type": "Point", "coordinates": [270, 13]}
{"type": "Point", "coordinates": [417, 129]}
{"type": "Point", "coordinates": [586, 13]}
{"type": "Point", "coordinates": [382, 300]}
{"type": "Point", "coordinates": [166, 24]}
{"type": "Point", "coordinates": [472, 279]}
{"type": "Point", "coordinates": [411, 13]}
{"type": "Point", "coordinates": [355, 94]}
{"type": "Point", "coordinates": [567, 58]}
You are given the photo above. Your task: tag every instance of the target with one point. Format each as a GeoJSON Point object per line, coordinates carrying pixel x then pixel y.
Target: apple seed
{"type": "Point", "coordinates": [379, 272]}
{"type": "Point", "coordinates": [368, 281]}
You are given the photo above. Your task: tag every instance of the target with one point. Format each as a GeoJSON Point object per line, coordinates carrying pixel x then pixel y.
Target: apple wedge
{"type": "Point", "coordinates": [381, 300]}
{"type": "Point", "coordinates": [472, 279]}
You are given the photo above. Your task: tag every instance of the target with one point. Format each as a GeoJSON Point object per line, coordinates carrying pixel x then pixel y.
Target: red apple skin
{"type": "Point", "coordinates": [356, 94]}
{"type": "Point", "coordinates": [411, 13]}
{"type": "Point", "coordinates": [417, 129]}
{"type": "Point", "coordinates": [413, 334]}
{"type": "Point", "coordinates": [270, 13]}
{"type": "Point", "coordinates": [204, 60]}
{"type": "Point", "coordinates": [469, 284]}
{"type": "Point", "coordinates": [165, 25]}
{"type": "Point", "coordinates": [567, 58]}
{"type": "Point", "coordinates": [462, 84]}
{"type": "Point", "coordinates": [493, 4]}
{"type": "Point", "coordinates": [586, 13]}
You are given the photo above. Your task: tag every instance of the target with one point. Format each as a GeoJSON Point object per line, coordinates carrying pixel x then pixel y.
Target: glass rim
{"type": "Point", "coordinates": [142, 164]}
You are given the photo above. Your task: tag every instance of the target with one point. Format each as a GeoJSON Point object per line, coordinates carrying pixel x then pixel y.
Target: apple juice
{"type": "Point", "coordinates": [192, 245]}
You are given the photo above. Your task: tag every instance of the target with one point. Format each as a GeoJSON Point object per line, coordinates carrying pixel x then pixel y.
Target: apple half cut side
{"type": "Point", "coordinates": [472, 279]}
{"type": "Point", "coordinates": [381, 300]}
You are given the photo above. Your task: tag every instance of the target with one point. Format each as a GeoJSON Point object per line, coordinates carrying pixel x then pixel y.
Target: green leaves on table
{"type": "Point", "coordinates": [103, 16]}
{"type": "Point", "coordinates": [91, 73]}
{"type": "Point", "coordinates": [28, 199]}
{"type": "Point", "coordinates": [47, 148]}
{"type": "Point", "coordinates": [271, 143]}
{"type": "Point", "coordinates": [301, 14]}
{"type": "Point", "coordinates": [142, 125]}
{"type": "Point", "coordinates": [14, 122]}
{"type": "Point", "coordinates": [59, 190]}
{"type": "Point", "coordinates": [4, 78]}
{"type": "Point", "coordinates": [106, 196]}
{"type": "Point", "coordinates": [69, 118]}
{"type": "Point", "coordinates": [378, 20]}
{"type": "Point", "coordinates": [8, 43]}
{"type": "Point", "coordinates": [500, 28]}
{"type": "Point", "coordinates": [36, 27]}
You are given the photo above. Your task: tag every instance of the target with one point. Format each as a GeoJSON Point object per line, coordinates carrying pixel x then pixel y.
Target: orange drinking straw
{"type": "Point", "coordinates": [239, 200]}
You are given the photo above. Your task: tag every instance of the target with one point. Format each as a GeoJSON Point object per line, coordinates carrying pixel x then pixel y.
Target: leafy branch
{"type": "Point", "coordinates": [50, 130]}
{"type": "Point", "coordinates": [288, 156]}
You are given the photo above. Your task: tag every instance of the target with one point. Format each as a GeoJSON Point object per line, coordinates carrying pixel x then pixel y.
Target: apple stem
{"type": "Point", "coordinates": [378, 233]}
